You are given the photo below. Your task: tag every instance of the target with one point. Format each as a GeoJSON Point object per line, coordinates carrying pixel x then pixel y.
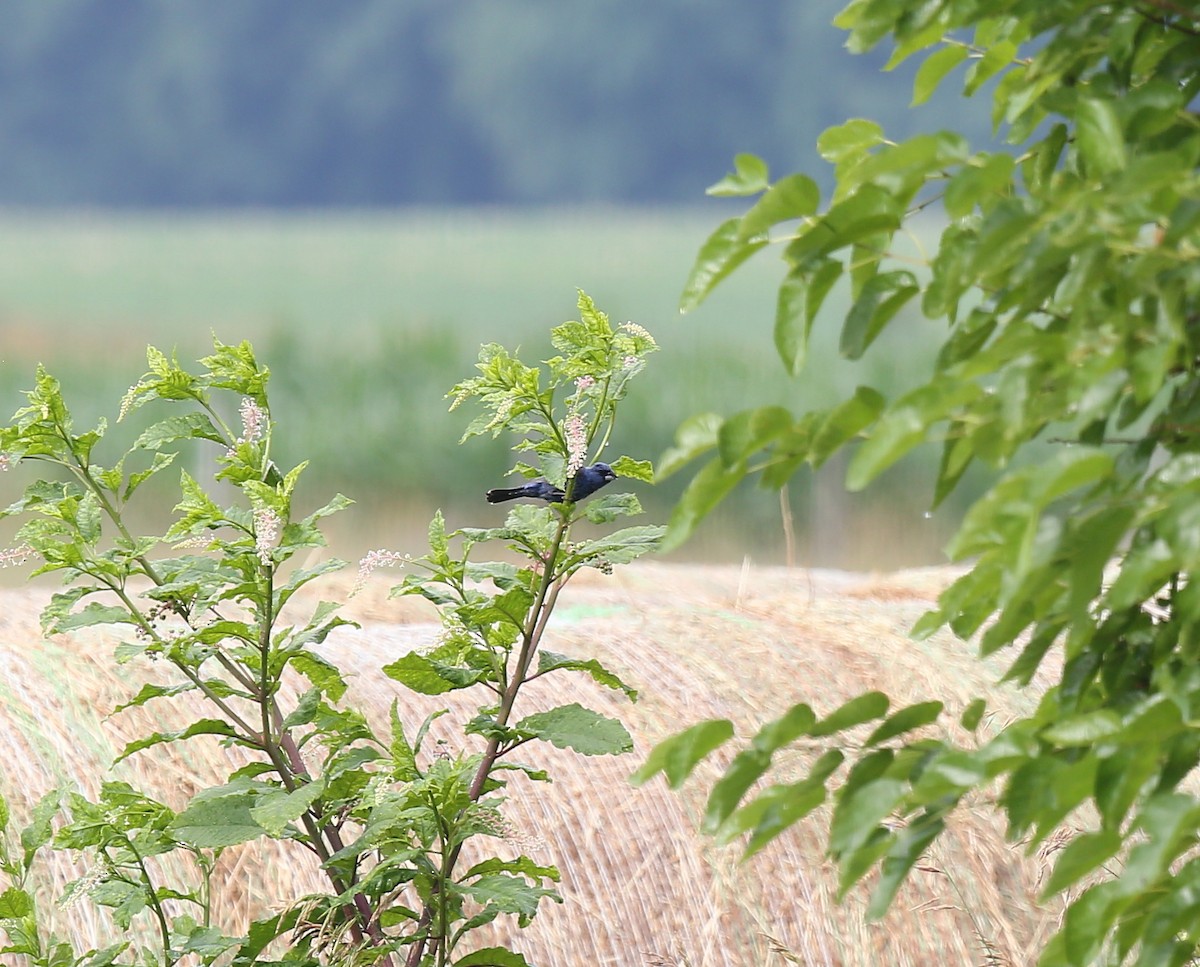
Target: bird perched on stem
{"type": "Point", "coordinates": [586, 482]}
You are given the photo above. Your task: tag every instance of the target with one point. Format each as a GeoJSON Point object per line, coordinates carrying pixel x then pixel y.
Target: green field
{"type": "Point", "coordinates": [367, 319]}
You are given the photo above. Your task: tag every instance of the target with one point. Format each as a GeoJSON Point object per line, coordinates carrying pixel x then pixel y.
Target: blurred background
{"type": "Point", "coordinates": [369, 190]}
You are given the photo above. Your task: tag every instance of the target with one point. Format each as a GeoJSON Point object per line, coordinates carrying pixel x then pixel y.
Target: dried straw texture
{"type": "Point", "coordinates": [640, 887]}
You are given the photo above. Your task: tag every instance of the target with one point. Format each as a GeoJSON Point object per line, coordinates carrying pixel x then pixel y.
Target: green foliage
{"type": "Point", "coordinates": [387, 819]}
{"type": "Point", "coordinates": [1068, 284]}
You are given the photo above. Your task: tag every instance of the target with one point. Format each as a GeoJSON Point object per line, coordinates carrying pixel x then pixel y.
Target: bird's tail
{"type": "Point", "coordinates": [498, 495]}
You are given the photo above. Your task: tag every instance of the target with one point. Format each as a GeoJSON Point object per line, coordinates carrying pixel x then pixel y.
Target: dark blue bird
{"type": "Point", "coordinates": [587, 482]}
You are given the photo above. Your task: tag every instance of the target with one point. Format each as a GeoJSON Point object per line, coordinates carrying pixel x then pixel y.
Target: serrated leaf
{"type": "Point", "coordinates": [217, 818]}
{"type": "Point", "coordinates": [195, 425]}
{"type": "Point", "coordinates": [549, 661]}
{"type": "Point", "coordinates": [723, 252]}
{"type": "Point", "coordinates": [422, 675]}
{"type": "Point", "coordinates": [404, 759]}
{"type": "Point", "coordinates": [627, 544]}
{"type": "Point", "coordinates": [274, 810]}
{"type": "Point", "coordinates": [608, 507]}
{"type": "Point", "coordinates": [492, 957]}
{"type": "Point", "coordinates": [15, 904]}
{"type": "Point", "coordinates": [578, 728]}
{"type": "Point", "coordinates": [200, 727]}
{"type": "Point", "coordinates": [150, 691]}
{"type": "Point", "coordinates": [91, 615]}
{"type": "Point", "coordinates": [642, 470]}
{"type": "Point", "coordinates": [677, 756]}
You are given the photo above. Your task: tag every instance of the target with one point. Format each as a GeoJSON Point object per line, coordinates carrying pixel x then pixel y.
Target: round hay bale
{"type": "Point", "coordinates": [640, 886]}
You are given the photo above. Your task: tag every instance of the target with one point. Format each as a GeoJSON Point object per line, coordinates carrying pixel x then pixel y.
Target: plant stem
{"type": "Point", "coordinates": [535, 625]}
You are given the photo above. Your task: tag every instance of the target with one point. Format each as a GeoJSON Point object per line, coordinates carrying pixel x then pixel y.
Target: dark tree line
{"type": "Point", "coordinates": [368, 102]}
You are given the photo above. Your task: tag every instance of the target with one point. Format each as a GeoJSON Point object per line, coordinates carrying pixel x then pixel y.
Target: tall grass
{"type": "Point", "coordinates": [367, 319]}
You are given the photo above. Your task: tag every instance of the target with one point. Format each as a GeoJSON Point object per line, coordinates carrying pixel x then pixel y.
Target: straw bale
{"type": "Point", "coordinates": [640, 886]}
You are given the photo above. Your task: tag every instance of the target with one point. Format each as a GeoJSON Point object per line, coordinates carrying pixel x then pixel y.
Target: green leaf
{"type": "Point", "coordinates": [800, 298]}
{"type": "Point", "coordinates": [749, 177]}
{"type": "Point", "coordinates": [1099, 136]}
{"type": "Point", "coordinates": [696, 435]}
{"type": "Point", "coordinates": [200, 727]}
{"type": "Point", "coordinates": [707, 489]}
{"type": "Point", "coordinates": [881, 298]}
{"type": "Point", "coordinates": [321, 673]}
{"type": "Point", "coordinates": [91, 615]}
{"type": "Point", "coordinates": [195, 425]}
{"type": "Point", "coordinates": [578, 728]}
{"type": "Point", "coordinates": [779, 808]}
{"type": "Point", "coordinates": [973, 714]}
{"type": "Point", "coordinates": [909, 845]}
{"type": "Point", "coordinates": [849, 140]}
{"type": "Point", "coordinates": [868, 213]}
{"type": "Point", "coordinates": [745, 433]}
{"type": "Point", "coordinates": [627, 544]}
{"type": "Point", "coordinates": [217, 818]}
{"type": "Point", "coordinates": [994, 59]}
{"type": "Point", "coordinates": [548, 661]}
{"type": "Point", "coordinates": [492, 957]}
{"type": "Point", "coordinates": [150, 691]}
{"type": "Point", "coordinates": [978, 183]}
{"type": "Point", "coordinates": [404, 759]}
{"type": "Point", "coordinates": [1083, 854]}
{"type": "Point", "coordinates": [677, 756]}
{"type": "Point", "coordinates": [1084, 729]}
{"type": "Point", "coordinates": [749, 764]}
{"type": "Point", "coordinates": [795, 196]}
{"type": "Point", "coordinates": [724, 251]}
{"type": "Point", "coordinates": [15, 904]}
{"type": "Point", "coordinates": [844, 422]}
{"type": "Point", "coordinates": [422, 675]}
{"type": "Point", "coordinates": [275, 810]}
{"type": "Point", "coordinates": [905, 720]}
{"type": "Point", "coordinates": [934, 69]}
{"type": "Point", "coordinates": [905, 425]}
{"type": "Point", "coordinates": [862, 708]}
{"type": "Point", "coordinates": [642, 470]}
{"type": "Point", "coordinates": [858, 813]}
{"type": "Point", "coordinates": [508, 894]}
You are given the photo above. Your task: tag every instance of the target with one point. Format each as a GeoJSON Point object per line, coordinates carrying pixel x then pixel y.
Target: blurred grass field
{"type": "Point", "coordinates": [367, 319]}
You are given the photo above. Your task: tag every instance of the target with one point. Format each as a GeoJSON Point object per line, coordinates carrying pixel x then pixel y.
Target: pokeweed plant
{"type": "Point", "coordinates": [387, 819]}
